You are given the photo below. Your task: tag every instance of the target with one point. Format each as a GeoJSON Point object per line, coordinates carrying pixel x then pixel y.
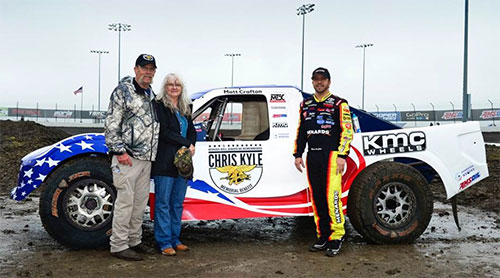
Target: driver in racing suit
{"type": "Point", "coordinates": [325, 125]}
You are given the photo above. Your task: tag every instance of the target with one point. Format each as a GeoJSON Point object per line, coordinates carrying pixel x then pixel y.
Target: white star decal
{"type": "Point", "coordinates": [40, 162]}
{"type": "Point", "coordinates": [216, 194]}
{"type": "Point", "coordinates": [51, 162]}
{"type": "Point", "coordinates": [28, 173]}
{"type": "Point", "coordinates": [85, 145]}
{"type": "Point", "coordinates": [88, 137]}
{"type": "Point", "coordinates": [22, 184]}
{"type": "Point", "coordinates": [30, 181]}
{"type": "Point", "coordinates": [24, 193]}
{"type": "Point", "coordinates": [35, 186]}
{"type": "Point", "coordinates": [41, 177]}
{"type": "Point", "coordinates": [63, 148]}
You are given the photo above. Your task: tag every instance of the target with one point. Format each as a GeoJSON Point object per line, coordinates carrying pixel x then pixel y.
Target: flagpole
{"type": "Point", "coordinates": [81, 107]}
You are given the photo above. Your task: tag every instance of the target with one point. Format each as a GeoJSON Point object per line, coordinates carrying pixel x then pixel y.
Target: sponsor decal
{"type": "Point", "coordinates": [328, 105]}
{"type": "Point", "coordinates": [4, 111]}
{"type": "Point", "coordinates": [388, 116]}
{"type": "Point", "coordinates": [279, 115]}
{"type": "Point", "coordinates": [320, 120]}
{"type": "Point", "coordinates": [326, 126]}
{"type": "Point", "coordinates": [308, 102]}
{"type": "Point", "coordinates": [24, 112]}
{"type": "Point", "coordinates": [464, 172]}
{"type": "Point", "coordinates": [490, 114]}
{"type": "Point", "coordinates": [235, 168]}
{"type": "Point", "coordinates": [452, 115]}
{"type": "Point", "coordinates": [278, 107]}
{"type": "Point", "coordinates": [281, 135]}
{"type": "Point", "coordinates": [277, 98]}
{"type": "Point", "coordinates": [318, 131]}
{"type": "Point", "coordinates": [469, 181]}
{"type": "Point", "coordinates": [280, 125]}
{"type": "Point", "coordinates": [336, 206]}
{"type": "Point", "coordinates": [348, 125]}
{"type": "Point", "coordinates": [394, 143]}
{"type": "Point", "coordinates": [419, 116]}
{"type": "Point", "coordinates": [329, 101]}
{"type": "Point", "coordinates": [98, 114]}
{"type": "Point", "coordinates": [63, 114]}
{"type": "Point", "coordinates": [242, 91]}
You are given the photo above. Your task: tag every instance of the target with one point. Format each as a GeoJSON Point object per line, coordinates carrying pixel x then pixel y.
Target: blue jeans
{"type": "Point", "coordinates": [169, 197]}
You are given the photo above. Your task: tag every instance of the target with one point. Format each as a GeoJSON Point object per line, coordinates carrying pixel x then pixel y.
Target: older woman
{"type": "Point", "coordinates": [176, 131]}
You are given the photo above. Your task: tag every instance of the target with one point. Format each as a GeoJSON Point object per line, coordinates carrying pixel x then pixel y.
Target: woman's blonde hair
{"type": "Point", "coordinates": [183, 102]}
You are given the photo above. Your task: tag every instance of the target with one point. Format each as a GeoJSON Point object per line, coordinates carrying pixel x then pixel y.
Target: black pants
{"type": "Point", "coordinates": [325, 186]}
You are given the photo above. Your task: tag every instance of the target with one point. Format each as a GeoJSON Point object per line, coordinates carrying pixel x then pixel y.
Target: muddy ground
{"type": "Point", "coordinates": [267, 247]}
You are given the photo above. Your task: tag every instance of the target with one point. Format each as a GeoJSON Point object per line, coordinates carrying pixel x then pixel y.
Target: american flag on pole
{"type": "Point", "coordinates": [79, 91]}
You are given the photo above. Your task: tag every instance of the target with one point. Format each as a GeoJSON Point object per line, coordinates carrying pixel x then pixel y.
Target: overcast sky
{"type": "Point", "coordinates": [417, 55]}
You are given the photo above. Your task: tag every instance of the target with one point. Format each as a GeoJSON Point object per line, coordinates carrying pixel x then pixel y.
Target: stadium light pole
{"type": "Point", "coordinates": [493, 118]}
{"type": "Point", "coordinates": [364, 46]}
{"type": "Point", "coordinates": [453, 108]}
{"type": "Point", "coordinates": [232, 55]}
{"type": "Point", "coordinates": [395, 110]}
{"type": "Point", "coordinates": [303, 10]}
{"type": "Point", "coordinates": [120, 27]}
{"type": "Point", "coordinates": [414, 113]}
{"type": "Point", "coordinates": [378, 110]}
{"type": "Point", "coordinates": [99, 52]}
{"type": "Point", "coordinates": [433, 112]}
{"type": "Point", "coordinates": [465, 96]}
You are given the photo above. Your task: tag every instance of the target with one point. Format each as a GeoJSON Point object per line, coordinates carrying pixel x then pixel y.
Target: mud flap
{"type": "Point", "coordinates": [455, 213]}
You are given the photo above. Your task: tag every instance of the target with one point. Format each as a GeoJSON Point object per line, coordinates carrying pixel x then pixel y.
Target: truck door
{"type": "Point", "coordinates": [236, 161]}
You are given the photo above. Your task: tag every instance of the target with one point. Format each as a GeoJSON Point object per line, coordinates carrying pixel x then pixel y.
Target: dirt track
{"type": "Point", "coordinates": [259, 247]}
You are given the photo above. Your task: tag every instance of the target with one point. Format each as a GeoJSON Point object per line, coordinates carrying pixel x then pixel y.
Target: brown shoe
{"type": "Point", "coordinates": [127, 254]}
{"type": "Point", "coordinates": [181, 247]}
{"type": "Point", "coordinates": [168, 251]}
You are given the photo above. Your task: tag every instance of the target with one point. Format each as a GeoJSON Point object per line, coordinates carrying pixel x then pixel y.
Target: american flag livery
{"type": "Point", "coordinates": [36, 166]}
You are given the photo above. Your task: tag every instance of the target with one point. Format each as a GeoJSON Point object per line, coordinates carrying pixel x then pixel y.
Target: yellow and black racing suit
{"type": "Point", "coordinates": [325, 124]}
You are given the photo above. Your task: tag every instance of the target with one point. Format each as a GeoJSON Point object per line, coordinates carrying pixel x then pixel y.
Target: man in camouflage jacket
{"type": "Point", "coordinates": [131, 132]}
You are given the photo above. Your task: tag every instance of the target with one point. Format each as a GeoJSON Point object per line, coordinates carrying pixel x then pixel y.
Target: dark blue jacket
{"type": "Point", "coordinates": [170, 141]}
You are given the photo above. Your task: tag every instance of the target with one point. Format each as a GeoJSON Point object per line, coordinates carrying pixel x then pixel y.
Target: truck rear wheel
{"type": "Point", "coordinates": [390, 203]}
{"type": "Point", "coordinates": [77, 201]}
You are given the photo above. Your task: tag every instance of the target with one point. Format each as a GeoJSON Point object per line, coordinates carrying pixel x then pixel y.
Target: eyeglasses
{"type": "Point", "coordinates": [171, 85]}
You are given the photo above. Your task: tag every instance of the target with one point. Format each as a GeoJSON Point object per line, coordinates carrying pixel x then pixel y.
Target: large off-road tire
{"type": "Point", "coordinates": [77, 201]}
{"type": "Point", "coordinates": [390, 203]}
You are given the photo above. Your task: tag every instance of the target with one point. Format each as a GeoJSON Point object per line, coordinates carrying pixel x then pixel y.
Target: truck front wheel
{"type": "Point", "coordinates": [76, 204]}
{"type": "Point", "coordinates": [390, 202]}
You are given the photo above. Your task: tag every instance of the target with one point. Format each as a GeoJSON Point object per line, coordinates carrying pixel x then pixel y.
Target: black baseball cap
{"type": "Point", "coordinates": [321, 71]}
{"type": "Point", "coordinates": [145, 59]}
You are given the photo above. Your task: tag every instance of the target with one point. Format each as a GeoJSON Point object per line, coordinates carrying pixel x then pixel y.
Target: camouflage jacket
{"type": "Point", "coordinates": [131, 124]}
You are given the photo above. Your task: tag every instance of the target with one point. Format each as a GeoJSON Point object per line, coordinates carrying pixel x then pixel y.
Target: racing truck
{"type": "Point", "coordinates": [243, 168]}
